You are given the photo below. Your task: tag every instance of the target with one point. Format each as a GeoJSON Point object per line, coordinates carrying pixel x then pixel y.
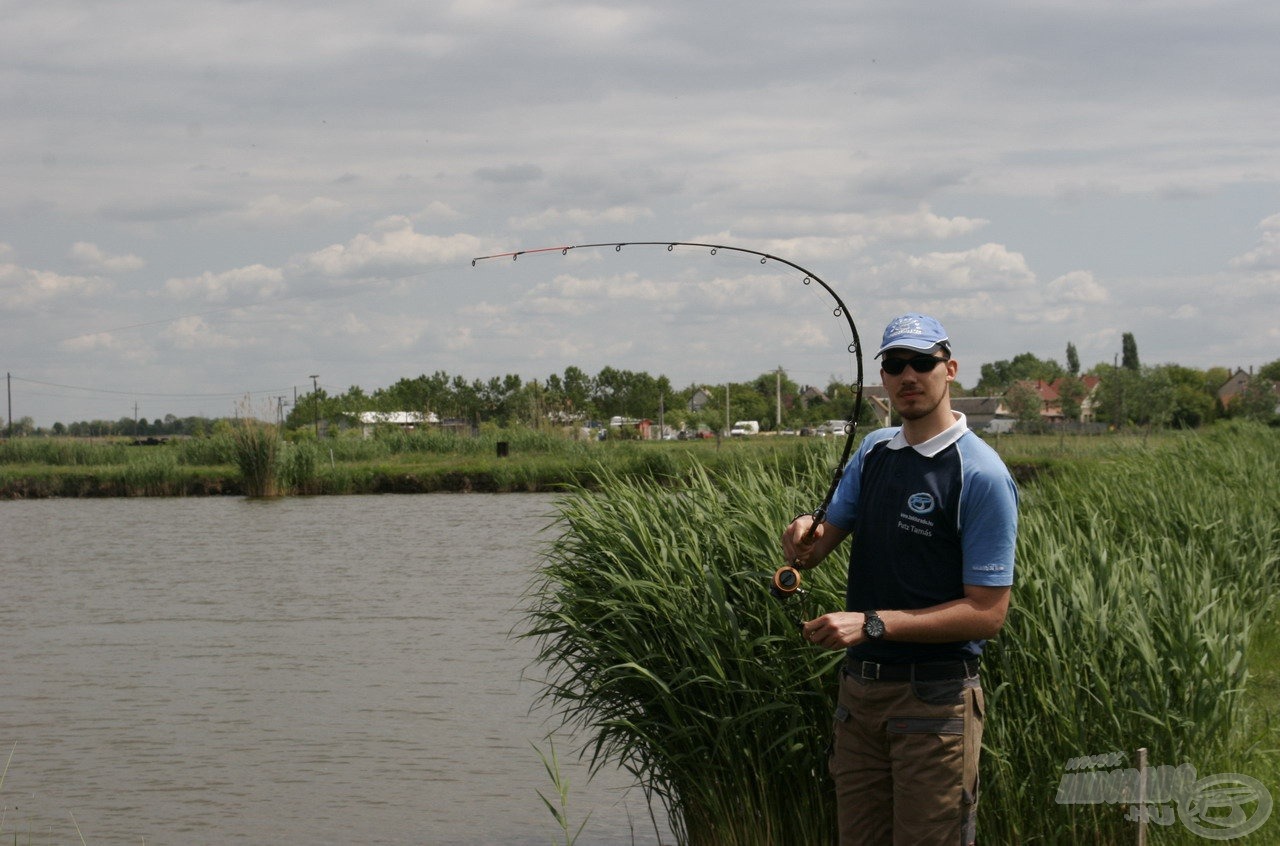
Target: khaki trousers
{"type": "Point", "coordinates": [905, 761]}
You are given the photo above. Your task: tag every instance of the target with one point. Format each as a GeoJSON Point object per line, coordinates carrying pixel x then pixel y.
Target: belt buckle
{"type": "Point", "coordinates": [875, 668]}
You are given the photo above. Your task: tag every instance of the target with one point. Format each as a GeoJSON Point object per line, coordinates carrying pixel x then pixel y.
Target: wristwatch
{"type": "Point", "coordinates": [872, 626]}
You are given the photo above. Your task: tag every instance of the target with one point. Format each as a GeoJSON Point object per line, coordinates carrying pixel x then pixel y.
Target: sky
{"type": "Point", "coordinates": [208, 203]}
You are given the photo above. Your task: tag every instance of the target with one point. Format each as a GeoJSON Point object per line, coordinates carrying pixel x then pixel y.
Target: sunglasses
{"type": "Point", "coordinates": [919, 363]}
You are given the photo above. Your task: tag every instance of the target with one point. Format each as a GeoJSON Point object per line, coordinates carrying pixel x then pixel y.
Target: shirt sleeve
{"type": "Point", "coordinates": [988, 520]}
{"type": "Point", "coordinates": [844, 505]}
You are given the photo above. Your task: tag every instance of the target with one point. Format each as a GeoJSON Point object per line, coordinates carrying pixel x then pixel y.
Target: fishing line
{"type": "Point", "coordinates": [786, 581]}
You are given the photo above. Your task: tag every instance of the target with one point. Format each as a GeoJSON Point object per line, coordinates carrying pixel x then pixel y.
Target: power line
{"type": "Point", "coordinates": [227, 395]}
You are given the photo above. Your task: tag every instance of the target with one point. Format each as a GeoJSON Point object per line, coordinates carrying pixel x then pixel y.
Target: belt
{"type": "Point", "coordinates": [934, 671]}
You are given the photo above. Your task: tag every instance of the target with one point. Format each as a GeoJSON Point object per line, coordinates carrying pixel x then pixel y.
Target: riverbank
{"type": "Point", "coordinates": [497, 462]}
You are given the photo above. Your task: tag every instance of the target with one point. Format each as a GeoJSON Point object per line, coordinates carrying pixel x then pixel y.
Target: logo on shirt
{"type": "Point", "coordinates": [920, 503]}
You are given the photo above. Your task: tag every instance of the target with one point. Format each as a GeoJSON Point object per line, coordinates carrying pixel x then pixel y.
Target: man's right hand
{"type": "Point", "coordinates": [797, 545]}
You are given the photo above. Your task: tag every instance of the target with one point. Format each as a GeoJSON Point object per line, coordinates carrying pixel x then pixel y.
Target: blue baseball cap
{"type": "Point", "coordinates": [914, 332]}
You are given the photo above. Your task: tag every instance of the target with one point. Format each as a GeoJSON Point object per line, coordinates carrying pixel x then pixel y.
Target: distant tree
{"type": "Point", "coordinates": [424, 393]}
{"type": "Point", "coordinates": [768, 385]}
{"type": "Point", "coordinates": [577, 388]}
{"type": "Point", "coordinates": [1025, 403]}
{"type": "Point", "coordinates": [1073, 360]}
{"type": "Point", "coordinates": [1215, 378]}
{"type": "Point", "coordinates": [502, 399]}
{"type": "Point", "coordinates": [609, 391]}
{"type": "Point", "coordinates": [465, 400]}
{"type": "Point", "coordinates": [1129, 352]}
{"type": "Point", "coordinates": [23, 427]}
{"type": "Point", "coordinates": [1194, 402]}
{"type": "Point", "coordinates": [310, 408]}
{"type": "Point", "coordinates": [747, 403]}
{"type": "Point", "coordinates": [1270, 370]}
{"type": "Point", "coordinates": [1144, 397]}
{"type": "Point", "coordinates": [996, 378]}
{"type": "Point", "coordinates": [1156, 398]}
{"type": "Point", "coordinates": [1117, 393]}
{"type": "Point", "coordinates": [1071, 392]}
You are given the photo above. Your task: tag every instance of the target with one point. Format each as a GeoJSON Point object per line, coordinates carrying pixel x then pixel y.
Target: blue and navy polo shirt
{"type": "Point", "coordinates": [925, 521]}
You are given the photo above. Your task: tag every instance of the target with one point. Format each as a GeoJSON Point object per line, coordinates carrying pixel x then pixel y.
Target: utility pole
{"type": "Point", "coordinates": [778, 388]}
{"type": "Point", "coordinates": [727, 427]}
{"type": "Point", "coordinates": [315, 404]}
{"type": "Point", "coordinates": [8, 387]}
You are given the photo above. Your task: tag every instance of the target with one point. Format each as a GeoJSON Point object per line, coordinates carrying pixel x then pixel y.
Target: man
{"type": "Point", "coordinates": [932, 511]}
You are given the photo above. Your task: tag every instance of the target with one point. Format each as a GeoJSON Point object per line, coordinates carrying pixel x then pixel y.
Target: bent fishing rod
{"type": "Point", "coordinates": [786, 580]}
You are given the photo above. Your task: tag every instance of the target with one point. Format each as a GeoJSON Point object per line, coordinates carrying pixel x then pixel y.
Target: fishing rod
{"type": "Point", "coordinates": [786, 580]}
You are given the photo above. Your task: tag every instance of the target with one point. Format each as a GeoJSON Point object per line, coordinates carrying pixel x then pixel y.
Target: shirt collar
{"type": "Point", "coordinates": [938, 442]}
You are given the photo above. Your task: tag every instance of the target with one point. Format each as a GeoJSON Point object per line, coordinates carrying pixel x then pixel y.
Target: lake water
{"type": "Point", "coordinates": [297, 671]}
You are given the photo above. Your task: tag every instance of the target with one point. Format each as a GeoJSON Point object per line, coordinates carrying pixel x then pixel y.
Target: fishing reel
{"type": "Point", "coordinates": [785, 587]}
{"type": "Point", "coordinates": [786, 582]}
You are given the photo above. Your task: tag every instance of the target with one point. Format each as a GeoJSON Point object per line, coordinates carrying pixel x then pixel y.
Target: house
{"type": "Point", "coordinates": [645, 429]}
{"type": "Point", "coordinates": [878, 398]}
{"type": "Point", "coordinates": [1050, 394]}
{"type": "Point", "coordinates": [983, 413]}
{"type": "Point", "coordinates": [1236, 385]}
{"type": "Point", "coordinates": [811, 394]}
{"type": "Point", "coordinates": [406, 420]}
{"type": "Point", "coordinates": [699, 399]}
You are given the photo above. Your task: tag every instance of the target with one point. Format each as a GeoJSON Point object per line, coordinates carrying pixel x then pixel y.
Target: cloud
{"type": "Point", "coordinates": [397, 246]}
{"type": "Point", "coordinates": [1032, 173]}
{"type": "Point", "coordinates": [841, 235]}
{"type": "Point", "coordinates": [192, 334]}
{"type": "Point", "coordinates": [92, 258]}
{"type": "Point", "coordinates": [981, 270]}
{"type": "Point", "coordinates": [254, 282]}
{"type": "Point", "coordinates": [23, 288]}
{"type": "Point", "coordinates": [1265, 256]}
{"type": "Point", "coordinates": [1078, 286]}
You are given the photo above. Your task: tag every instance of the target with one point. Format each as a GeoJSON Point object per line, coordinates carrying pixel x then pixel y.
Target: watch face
{"type": "Point", "coordinates": [873, 627]}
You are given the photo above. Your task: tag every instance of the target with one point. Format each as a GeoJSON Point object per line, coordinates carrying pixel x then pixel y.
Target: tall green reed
{"type": "Point", "coordinates": [64, 452]}
{"type": "Point", "coordinates": [653, 616]}
{"type": "Point", "coordinates": [1140, 580]}
{"type": "Point", "coordinates": [256, 451]}
{"type": "Point", "coordinates": [1140, 583]}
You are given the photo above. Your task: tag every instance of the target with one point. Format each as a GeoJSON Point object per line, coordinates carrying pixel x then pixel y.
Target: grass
{"type": "Point", "coordinates": [231, 463]}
